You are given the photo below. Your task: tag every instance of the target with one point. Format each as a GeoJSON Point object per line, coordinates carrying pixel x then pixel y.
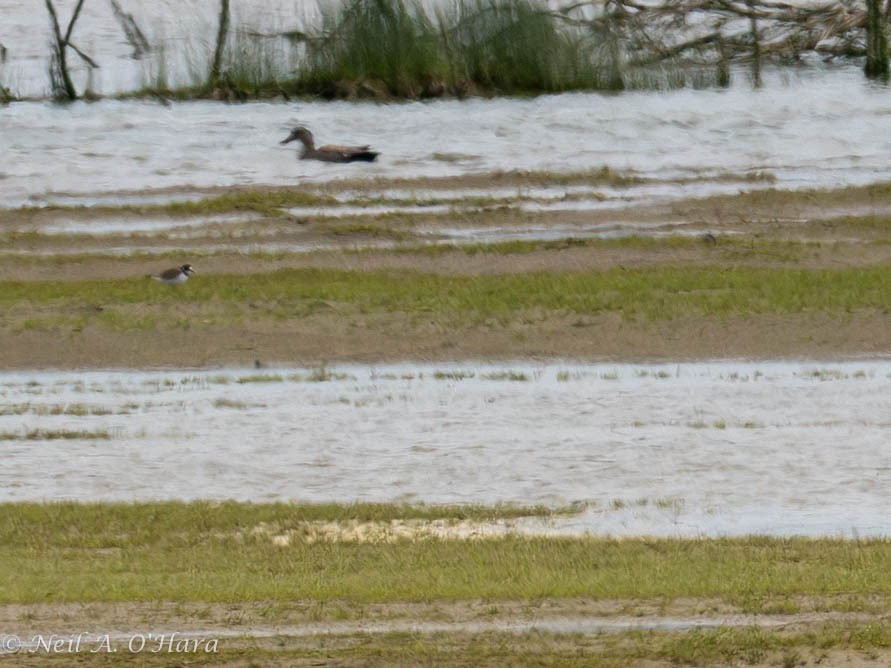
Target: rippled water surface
{"type": "Point", "coordinates": [817, 126]}
{"type": "Point", "coordinates": [818, 129]}
{"type": "Point", "coordinates": [688, 449]}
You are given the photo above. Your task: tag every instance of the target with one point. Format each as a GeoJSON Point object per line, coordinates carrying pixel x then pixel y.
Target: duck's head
{"type": "Point", "coordinates": [300, 133]}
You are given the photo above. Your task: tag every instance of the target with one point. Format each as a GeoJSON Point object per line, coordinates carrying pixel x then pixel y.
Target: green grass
{"type": "Point", "coordinates": [261, 200]}
{"type": "Point", "coordinates": [390, 44]}
{"type": "Point", "coordinates": [55, 434]}
{"type": "Point", "coordinates": [372, 229]}
{"type": "Point", "coordinates": [267, 202]}
{"type": "Point", "coordinates": [206, 551]}
{"type": "Point", "coordinates": [54, 409]}
{"type": "Point", "coordinates": [261, 378]}
{"type": "Point", "coordinates": [253, 67]}
{"type": "Point", "coordinates": [657, 294]}
{"type": "Point", "coordinates": [511, 46]}
{"type": "Point", "coordinates": [319, 375]}
{"type": "Point", "coordinates": [396, 48]}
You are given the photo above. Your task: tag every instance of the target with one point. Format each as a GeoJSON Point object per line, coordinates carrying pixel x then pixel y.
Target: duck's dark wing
{"type": "Point", "coordinates": [363, 155]}
{"type": "Point", "coordinates": [348, 153]}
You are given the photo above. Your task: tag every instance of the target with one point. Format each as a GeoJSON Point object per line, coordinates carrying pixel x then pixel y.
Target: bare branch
{"type": "Point", "coordinates": [63, 87]}
{"type": "Point", "coordinates": [131, 30]}
{"type": "Point", "coordinates": [222, 32]}
{"type": "Point", "coordinates": [80, 4]}
{"type": "Point", "coordinates": [678, 49]}
{"type": "Point", "coordinates": [55, 21]}
{"type": "Point", "coordinates": [673, 29]}
{"type": "Point", "coordinates": [89, 61]}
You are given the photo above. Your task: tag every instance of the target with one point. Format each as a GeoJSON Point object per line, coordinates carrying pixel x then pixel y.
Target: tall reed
{"type": "Point", "coordinates": [254, 66]}
{"type": "Point", "coordinates": [400, 49]}
{"type": "Point", "coordinates": [386, 43]}
{"type": "Point", "coordinates": [512, 46]}
{"type": "Point", "coordinates": [397, 48]}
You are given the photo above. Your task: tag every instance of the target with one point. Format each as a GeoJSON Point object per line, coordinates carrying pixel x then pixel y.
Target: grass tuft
{"type": "Point", "coordinates": [386, 47]}
{"type": "Point", "coordinates": [511, 46]}
{"type": "Point", "coordinates": [267, 202]}
{"type": "Point", "coordinates": [55, 434]}
{"type": "Point", "coordinates": [228, 551]}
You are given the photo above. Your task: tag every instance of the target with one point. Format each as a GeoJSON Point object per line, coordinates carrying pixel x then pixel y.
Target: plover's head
{"type": "Point", "coordinates": [300, 133]}
{"type": "Point", "coordinates": [187, 269]}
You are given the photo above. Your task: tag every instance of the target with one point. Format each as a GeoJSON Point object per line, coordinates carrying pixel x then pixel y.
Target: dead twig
{"type": "Point", "coordinates": [63, 87]}
{"type": "Point", "coordinates": [134, 35]}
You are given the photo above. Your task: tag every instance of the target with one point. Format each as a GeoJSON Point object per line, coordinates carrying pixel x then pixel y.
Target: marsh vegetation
{"type": "Point", "coordinates": [756, 268]}
{"type": "Point", "coordinates": [529, 264]}
{"type": "Point", "coordinates": [783, 600]}
{"type": "Point", "coordinates": [227, 551]}
{"type": "Point", "coordinates": [389, 49]}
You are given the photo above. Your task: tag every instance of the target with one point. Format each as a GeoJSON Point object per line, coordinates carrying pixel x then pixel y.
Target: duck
{"type": "Point", "coordinates": [328, 153]}
{"type": "Point", "coordinates": [174, 276]}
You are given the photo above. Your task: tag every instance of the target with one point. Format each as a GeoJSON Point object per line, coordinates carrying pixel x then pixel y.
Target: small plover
{"type": "Point", "coordinates": [174, 276]}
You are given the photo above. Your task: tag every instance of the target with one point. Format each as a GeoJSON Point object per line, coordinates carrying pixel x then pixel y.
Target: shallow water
{"type": "Point", "coordinates": [817, 129]}
{"type": "Point", "coordinates": [719, 448]}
